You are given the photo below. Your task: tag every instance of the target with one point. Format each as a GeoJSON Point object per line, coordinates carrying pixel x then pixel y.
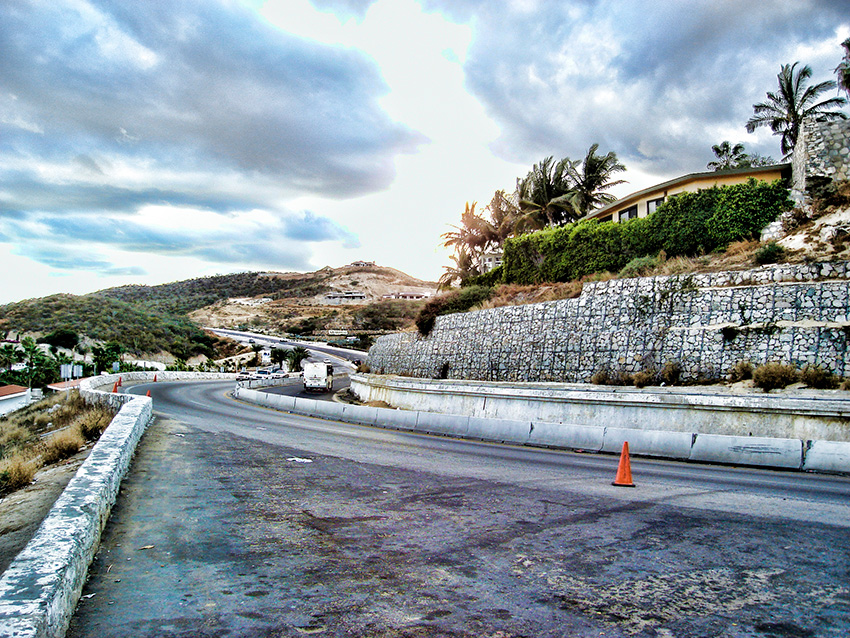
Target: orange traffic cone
{"type": "Point", "coordinates": [154, 378]}
{"type": "Point", "coordinates": [624, 470]}
{"type": "Point", "coordinates": [148, 394]}
{"type": "Point", "coordinates": [119, 382]}
{"type": "Point", "coordinates": [115, 387]}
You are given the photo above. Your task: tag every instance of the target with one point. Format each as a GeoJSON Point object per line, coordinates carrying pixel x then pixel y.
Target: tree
{"type": "Point", "coordinates": [278, 355]}
{"type": "Point", "coordinates": [545, 193]}
{"type": "Point", "coordinates": [591, 177]}
{"type": "Point", "coordinates": [62, 338]}
{"type": "Point", "coordinates": [296, 356]}
{"type": "Point", "coordinates": [843, 69]}
{"type": "Point", "coordinates": [104, 356]}
{"type": "Point", "coordinates": [464, 268]}
{"type": "Point", "coordinates": [9, 356]}
{"type": "Point", "coordinates": [786, 109]}
{"type": "Point", "coordinates": [728, 156]}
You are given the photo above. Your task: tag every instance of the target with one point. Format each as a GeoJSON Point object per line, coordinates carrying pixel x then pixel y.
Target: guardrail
{"type": "Point", "coordinates": [40, 589]}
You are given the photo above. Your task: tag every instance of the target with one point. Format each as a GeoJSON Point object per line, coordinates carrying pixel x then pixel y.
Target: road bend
{"type": "Point", "coordinates": [238, 520]}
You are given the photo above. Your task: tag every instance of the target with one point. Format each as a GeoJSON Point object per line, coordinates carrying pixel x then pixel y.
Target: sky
{"type": "Point", "coordinates": [148, 142]}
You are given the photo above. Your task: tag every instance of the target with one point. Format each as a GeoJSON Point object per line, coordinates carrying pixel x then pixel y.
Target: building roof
{"type": "Point", "coordinates": [64, 385]}
{"type": "Point", "coordinates": [9, 390]}
{"type": "Point", "coordinates": [684, 179]}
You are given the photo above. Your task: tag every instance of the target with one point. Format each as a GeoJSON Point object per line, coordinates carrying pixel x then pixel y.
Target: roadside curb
{"type": "Point", "coordinates": [40, 589]}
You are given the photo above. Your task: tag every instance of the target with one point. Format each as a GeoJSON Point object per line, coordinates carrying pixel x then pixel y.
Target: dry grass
{"type": "Point", "coordinates": [62, 445]}
{"type": "Point", "coordinates": [67, 417]}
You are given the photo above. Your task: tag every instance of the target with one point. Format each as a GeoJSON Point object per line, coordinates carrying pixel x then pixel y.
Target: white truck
{"type": "Point", "coordinates": [318, 376]}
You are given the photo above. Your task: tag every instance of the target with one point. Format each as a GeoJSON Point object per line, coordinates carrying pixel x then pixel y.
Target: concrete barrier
{"type": "Point", "coordinates": [502, 430]}
{"type": "Point", "coordinates": [748, 450]}
{"type": "Point", "coordinates": [567, 436]}
{"type": "Point", "coordinates": [360, 414]}
{"type": "Point", "coordinates": [448, 424]}
{"type": "Point", "coordinates": [397, 419]}
{"type": "Point", "coordinates": [670, 445]}
{"type": "Point", "coordinates": [827, 456]}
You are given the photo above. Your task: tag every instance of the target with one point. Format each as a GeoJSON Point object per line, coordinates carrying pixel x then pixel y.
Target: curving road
{"type": "Point", "coordinates": [264, 523]}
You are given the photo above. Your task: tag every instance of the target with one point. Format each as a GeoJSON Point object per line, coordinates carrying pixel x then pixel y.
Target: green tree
{"type": "Point", "coordinates": [464, 268]}
{"type": "Point", "coordinates": [843, 69]}
{"type": "Point", "coordinates": [278, 356]}
{"type": "Point", "coordinates": [728, 156]}
{"type": "Point", "coordinates": [104, 356]}
{"type": "Point", "coordinates": [591, 178]}
{"type": "Point", "coordinates": [296, 356]}
{"type": "Point", "coordinates": [61, 338]}
{"type": "Point", "coordinates": [785, 110]}
{"type": "Point", "coordinates": [9, 356]}
{"type": "Point", "coordinates": [545, 193]}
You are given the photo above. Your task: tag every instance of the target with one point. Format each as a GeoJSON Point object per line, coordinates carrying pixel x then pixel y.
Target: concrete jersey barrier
{"type": "Point", "coordinates": [793, 454]}
{"type": "Point", "coordinates": [40, 589]}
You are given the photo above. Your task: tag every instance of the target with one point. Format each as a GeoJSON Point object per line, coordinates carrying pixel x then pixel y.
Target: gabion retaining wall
{"type": "Point", "coordinates": [705, 323]}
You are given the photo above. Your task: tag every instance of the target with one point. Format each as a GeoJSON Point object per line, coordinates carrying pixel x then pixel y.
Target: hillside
{"type": "Point", "coordinates": [138, 329]}
{"type": "Point", "coordinates": [167, 317]}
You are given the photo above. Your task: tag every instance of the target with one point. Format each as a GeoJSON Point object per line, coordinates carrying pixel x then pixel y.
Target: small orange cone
{"type": "Point", "coordinates": [115, 387]}
{"type": "Point", "coordinates": [154, 378]}
{"type": "Point", "coordinates": [624, 470]}
{"type": "Point", "coordinates": [148, 394]}
{"type": "Point", "coordinates": [119, 382]}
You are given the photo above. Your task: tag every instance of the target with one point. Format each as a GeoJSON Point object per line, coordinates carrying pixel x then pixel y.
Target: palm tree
{"type": "Point", "coordinates": [32, 356]}
{"type": "Point", "coordinates": [843, 69]}
{"type": "Point", "coordinates": [464, 268]}
{"type": "Point", "coordinates": [474, 233]}
{"type": "Point", "coordinates": [9, 356]}
{"type": "Point", "coordinates": [544, 194]}
{"type": "Point", "coordinates": [785, 110]}
{"type": "Point", "coordinates": [728, 156]}
{"type": "Point", "coordinates": [296, 356]}
{"type": "Point", "coordinates": [591, 178]}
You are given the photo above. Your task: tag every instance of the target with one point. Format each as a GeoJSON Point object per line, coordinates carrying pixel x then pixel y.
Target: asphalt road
{"type": "Point", "coordinates": [241, 521]}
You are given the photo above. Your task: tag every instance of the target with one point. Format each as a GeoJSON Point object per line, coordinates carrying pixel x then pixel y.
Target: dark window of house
{"type": "Point", "coordinates": [629, 213]}
{"type": "Point", "coordinates": [607, 218]}
{"type": "Point", "coordinates": [653, 204]}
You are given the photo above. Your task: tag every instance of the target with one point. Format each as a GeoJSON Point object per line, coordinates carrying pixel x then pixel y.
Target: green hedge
{"type": "Point", "coordinates": [686, 224]}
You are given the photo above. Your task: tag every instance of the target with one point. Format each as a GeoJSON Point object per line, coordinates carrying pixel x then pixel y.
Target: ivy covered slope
{"type": "Point", "coordinates": [103, 319]}
{"type": "Point", "coordinates": [685, 225]}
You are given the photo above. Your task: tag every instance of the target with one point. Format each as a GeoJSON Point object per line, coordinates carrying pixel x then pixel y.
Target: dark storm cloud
{"type": "Point", "coordinates": [651, 81]}
{"type": "Point", "coordinates": [107, 107]}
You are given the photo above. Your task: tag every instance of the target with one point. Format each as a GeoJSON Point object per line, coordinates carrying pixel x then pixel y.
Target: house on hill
{"type": "Point", "coordinates": [644, 202]}
{"type": "Point", "coordinates": [13, 397]}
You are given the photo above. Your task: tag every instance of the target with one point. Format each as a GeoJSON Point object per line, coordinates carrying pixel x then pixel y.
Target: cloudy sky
{"type": "Point", "coordinates": [145, 142]}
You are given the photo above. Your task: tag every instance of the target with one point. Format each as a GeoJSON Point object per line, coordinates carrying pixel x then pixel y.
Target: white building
{"type": "Point", "coordinates": [13, 397]}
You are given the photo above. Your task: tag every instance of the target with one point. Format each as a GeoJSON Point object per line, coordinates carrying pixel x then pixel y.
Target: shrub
{"type": "Point", "coordinates": [92, 423]}
{"type": "Point", "coordinates": [642, 379]}
{"type": "Point", "coordinates": [771, 376]}
{"type": "Point", "coordinates": [770, 253]}
{"type": "Point", "coordinates": [602, 377]}
{"type": "Point", "coordinates": [740, 371]}
{"type": "Point", "coordinates": [818, 378]}
{"type": "Point", "coordinates": [458, 301]}
{"type": "Point", "coordinates": [742, 210]}
{"type": "Point", "coordinates": [16, 473]}
{"type": "Point", "coordinates": [638, 267]}
{"type": "Point", "coordinates": [62, 445]}
{"type": "Point", "coordinates": [670, 373]}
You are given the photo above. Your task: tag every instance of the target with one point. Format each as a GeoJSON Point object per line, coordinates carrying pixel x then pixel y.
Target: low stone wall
{"type": "Point", "coordinates": [704, 323]}
{"type": "Point", "coordinates": [40, 589]}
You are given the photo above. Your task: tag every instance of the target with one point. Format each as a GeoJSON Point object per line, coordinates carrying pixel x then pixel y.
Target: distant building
{"type": "Point", "coordinates": [362, 264]}
{"type": "Point", "coordinates": [13, 397]}
{"type": "Point", "coordinates": [344, 297]}
{"type": "Point", "coordinates": [489, 261]}
{"type": "Point", "coordinates": [644, 202]}
{"type": "Point", "coordinates": [407, 295]}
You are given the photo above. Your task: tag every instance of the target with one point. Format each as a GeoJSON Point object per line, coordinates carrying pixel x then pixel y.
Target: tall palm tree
{"type": "Point", "coordinates": [9, 356]}
{"type": "Point", "coordinates": [464, 267]}
{"type": "Point", "coordinates": [544, 194]}
{"type": "Point", "coordinates": [843, 69]}
{"type": "Point", "coordinates": [474, 233]}
{"type": "Point", "coordinates": [728, 156]}
{"type": "Point", "coordinates": [786, 109]}
{"type": "Point", "coordinates": [591, 177]}
{"type": "Point", "coordinates": [295, 356]}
